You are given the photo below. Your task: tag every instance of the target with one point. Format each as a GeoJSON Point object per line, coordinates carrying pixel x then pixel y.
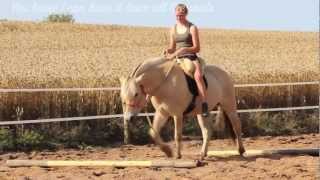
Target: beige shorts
{"type": "Point", "coordinates": [188, 66]}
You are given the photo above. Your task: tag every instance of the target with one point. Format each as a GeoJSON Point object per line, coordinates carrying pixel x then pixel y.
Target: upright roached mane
{"type": "Point", "coordinates": [134, 72]}
{"type": "Point", "coordinates": [145, 65]}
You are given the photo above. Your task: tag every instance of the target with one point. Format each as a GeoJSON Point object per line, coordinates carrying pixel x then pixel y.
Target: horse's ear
{"type": "Point", "coordinates": [123, 80]}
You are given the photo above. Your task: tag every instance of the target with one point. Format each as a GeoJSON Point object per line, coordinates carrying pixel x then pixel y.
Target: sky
{"type": "Point", "coordinates": [278, 15]}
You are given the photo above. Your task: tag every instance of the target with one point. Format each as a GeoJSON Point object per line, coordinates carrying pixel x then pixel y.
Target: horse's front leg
{"type": "Point", "coordinates": [159, 120]}
{"type": "Point", "coordinates": [206, 134]}
{"type": "Point", "coordinates": [178, 134]}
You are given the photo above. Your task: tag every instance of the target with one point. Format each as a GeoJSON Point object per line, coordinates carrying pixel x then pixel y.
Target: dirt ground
{"type": "Point", "coordinates": [269, 167]}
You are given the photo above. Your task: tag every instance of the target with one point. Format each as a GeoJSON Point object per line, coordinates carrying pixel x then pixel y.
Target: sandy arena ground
{"type": "Point", "coordinates": [272, 167]}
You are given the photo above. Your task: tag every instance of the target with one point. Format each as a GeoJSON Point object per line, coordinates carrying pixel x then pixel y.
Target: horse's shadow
{"type": "Point", "coordinates": [245, 158]}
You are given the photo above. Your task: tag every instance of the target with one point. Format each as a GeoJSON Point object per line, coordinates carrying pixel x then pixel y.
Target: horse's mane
{"type": "Point", "coordinates": [147, 64]}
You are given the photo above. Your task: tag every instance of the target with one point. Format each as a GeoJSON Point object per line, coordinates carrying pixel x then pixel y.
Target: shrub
{"type": "Point", "coordinates": [30, 139]}
{"type": "Point", "coordinates": [6, 139]}
{"type": "Point", "coordinates": [60, 18]}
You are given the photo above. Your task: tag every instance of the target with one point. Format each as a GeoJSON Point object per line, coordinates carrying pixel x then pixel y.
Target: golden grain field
{"type": "Point", "coordinates": [54, 55]}
{"type": "Point", "coordinates": [34, 55]}
{"type": "Point", "coordinates": [49, 55]}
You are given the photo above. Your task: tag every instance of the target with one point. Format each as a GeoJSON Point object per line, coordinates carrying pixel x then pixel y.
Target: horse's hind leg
{"type": "Point", "coordinates": [159, 121]}
{"type": "Point", "coordinates": [233, 117]}
{"type": "Point", "coordinates": [205, 126]}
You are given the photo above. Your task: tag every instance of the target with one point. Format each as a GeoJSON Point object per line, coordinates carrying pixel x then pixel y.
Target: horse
{"type": "Point", "coordinates": [164, 81]}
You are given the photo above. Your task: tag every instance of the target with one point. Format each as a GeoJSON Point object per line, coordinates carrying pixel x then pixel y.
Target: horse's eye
{"type": "Point", "coordinates": [136, 95]}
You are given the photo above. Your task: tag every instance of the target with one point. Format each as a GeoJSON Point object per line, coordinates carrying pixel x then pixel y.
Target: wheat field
{"type": "Point", "coordinates": [34, 55]}
{"type": "Point", "coordinates": [49, 55]}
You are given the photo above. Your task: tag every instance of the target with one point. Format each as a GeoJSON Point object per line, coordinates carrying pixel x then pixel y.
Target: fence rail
{"type": "Point", "coordinates": [142, 114]}
{"type": "Point", "coordinates": [279, 84]}
{"type": "Point", "coordinates": [118, 88]}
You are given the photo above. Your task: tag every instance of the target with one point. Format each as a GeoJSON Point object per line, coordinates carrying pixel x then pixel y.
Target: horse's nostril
{"type": "Point", "coordinates": [136, 95]}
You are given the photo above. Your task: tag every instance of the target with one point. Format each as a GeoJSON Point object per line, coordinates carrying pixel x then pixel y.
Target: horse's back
{"type": "Point", "coordinates": [221, 82]}
{"type": "Point", "coordinates": [219, 74]}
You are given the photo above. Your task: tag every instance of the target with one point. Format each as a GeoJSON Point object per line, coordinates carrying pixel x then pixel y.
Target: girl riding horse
{"type": "Point", "coordinates": [184, 43]}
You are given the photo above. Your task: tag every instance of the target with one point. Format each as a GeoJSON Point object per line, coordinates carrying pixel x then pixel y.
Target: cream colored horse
{"type": "Point", "coordinates": [165, 82]}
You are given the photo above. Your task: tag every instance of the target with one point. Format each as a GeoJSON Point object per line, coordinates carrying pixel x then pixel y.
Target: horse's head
{"type": "Point", "coordinates": [133, 97]}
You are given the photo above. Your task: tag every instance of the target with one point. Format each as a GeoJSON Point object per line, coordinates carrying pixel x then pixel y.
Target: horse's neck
{"type": "Point", "coordinates": [154, 74]}
{"type": "Point", "coordinates": [149, 64]}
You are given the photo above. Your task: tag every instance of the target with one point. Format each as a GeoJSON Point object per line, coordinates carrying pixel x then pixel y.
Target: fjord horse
{"type": "Point", "coordinates": [165, 83]}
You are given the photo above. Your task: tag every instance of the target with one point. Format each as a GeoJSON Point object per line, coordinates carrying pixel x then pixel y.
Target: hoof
{"type": "Point", "coordinates": [178, 156]}
{"type": "Point", "coordinates": [202, 156]}
{"type": "Point", "coordinates": [201, 163]}
{"type": "Point", "coordinates": [167, 150]}
{"type": "Point", "coordinates": [241, 151]}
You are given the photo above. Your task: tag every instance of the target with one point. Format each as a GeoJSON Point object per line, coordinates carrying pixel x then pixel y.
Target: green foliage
{"type": "Point", "coordinates": [84, 134]}
{"type": "Point", "coordinates": [30, 139]}
{"type": "Point", "coordinates": [95, 132]}
{"type": "Point", "coordinates": [279, 123]}
{"type": "Point", "coordinates": [6, 139]}
{"type": "Point", "coordinates": [60, 18]}
{"type": "Point", "coordinates": [139, 131]}
{"type": "Point", "coordinates": [308, 124]}
{"type": "Point", "coordinates": [191, 127]}
{"type": "Point", "coordinates": [275, 125]}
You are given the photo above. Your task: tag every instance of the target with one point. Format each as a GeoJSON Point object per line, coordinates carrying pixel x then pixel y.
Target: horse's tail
{"type": "Point", "coordinates": [224, 123]}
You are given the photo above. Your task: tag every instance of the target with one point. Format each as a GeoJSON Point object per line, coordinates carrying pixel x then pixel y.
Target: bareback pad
{"type": "Point", "coordinates": [189, 68]}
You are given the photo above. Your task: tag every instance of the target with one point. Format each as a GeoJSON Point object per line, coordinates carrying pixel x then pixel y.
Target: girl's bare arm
{"type": "Point", "coordinates": [172, 45]}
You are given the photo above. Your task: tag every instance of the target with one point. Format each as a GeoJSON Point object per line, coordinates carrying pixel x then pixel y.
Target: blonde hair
{"type": "Point", "coordinates": [183, 8]}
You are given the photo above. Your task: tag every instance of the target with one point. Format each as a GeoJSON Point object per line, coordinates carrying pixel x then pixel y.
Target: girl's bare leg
{"type": "Point", "coordinates": [198, 76]}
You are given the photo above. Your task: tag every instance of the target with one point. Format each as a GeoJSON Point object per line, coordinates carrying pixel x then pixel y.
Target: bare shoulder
{"type": "Point", "coordinates": [193, 28]}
